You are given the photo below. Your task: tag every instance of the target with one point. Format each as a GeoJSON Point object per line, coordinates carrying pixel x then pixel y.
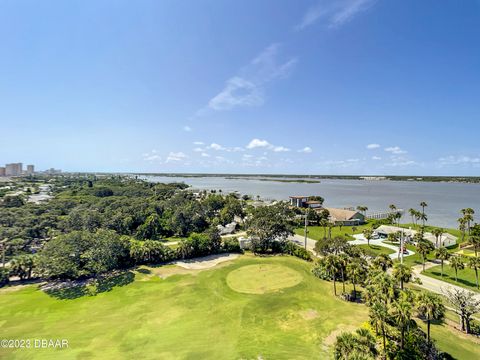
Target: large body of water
{"type": "Point", "coordinates": [444, 199]}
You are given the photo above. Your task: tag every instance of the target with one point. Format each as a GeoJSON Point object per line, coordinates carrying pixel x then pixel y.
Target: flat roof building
{"type": "Point", "coordinates": [30, 169]}
{"type": "Point", "coordinates": [2, 171]}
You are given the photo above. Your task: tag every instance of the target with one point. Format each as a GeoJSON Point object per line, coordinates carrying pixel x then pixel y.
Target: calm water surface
{"type": "Point", "coordinates": [444, 199]}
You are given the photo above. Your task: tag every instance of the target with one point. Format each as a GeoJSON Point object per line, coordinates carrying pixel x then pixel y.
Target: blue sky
{"type": "Point", "coordinates": [314, 87]}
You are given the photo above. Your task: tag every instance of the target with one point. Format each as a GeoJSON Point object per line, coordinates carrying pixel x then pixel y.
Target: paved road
{"type": "Point", "coordinates": [360, 240]}
{"type": "Point", "coordinates": [435, 285]}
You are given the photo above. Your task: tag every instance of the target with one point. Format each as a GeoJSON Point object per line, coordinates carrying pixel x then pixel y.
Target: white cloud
{"type": "Point", "coordinates": [459, 160]}
{"type": "Point", "coordinates": [373, 146]}
{"type": "Point", "coordinates": [395, 150]}
{"type": "Point", "coordinates": [257, 143]}
{"type": "Point", "coordinates": [205, 155]}
{"type": "Point", "coordinates": [280, 149]}
{"type": "Point", "coordinates": [187, 128]}
{"type": "Point", "coordinates": [198, 143]}
{"type": "Point", "coordinates": [334, 12]}
{"type": "Point", "coordinates": [306, 149]}
{"type": "Point", "coordinates": [215, 146]}
{"type": "Point", "coordinates": [247, 88]}
{"type": "Point", "coordinates": [176, 156]}
{"type": "Point", "coordinates": [151, 156]}
{"type": "Point", "coordinates": [376, 158]}
{"type": "Point", "coordinates": [198, 149]}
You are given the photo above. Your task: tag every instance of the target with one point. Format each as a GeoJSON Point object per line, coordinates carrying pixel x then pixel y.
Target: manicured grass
{"type": "Point", "coordinates": [466, 277]}
{"type": "Point", "coordinates": [184, 315]}
{"type": "Point", "coordinates": [448, 339]}
{"type": "Point", "coordinates": [317, 232]}
{"type": "Point", "coordinates": [375, 250]}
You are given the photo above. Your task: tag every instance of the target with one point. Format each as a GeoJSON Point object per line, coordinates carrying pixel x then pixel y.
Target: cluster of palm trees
{"type": "Point", "coordinates": [419, 215]}
{"type": "Point", "coordinates": [391, 312]}
{"type": "Point", "coordinates": [465, 221]}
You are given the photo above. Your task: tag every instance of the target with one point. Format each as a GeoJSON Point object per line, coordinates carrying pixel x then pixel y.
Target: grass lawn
{"type": "Point", "coordinates": [317, 232]}
{"type": "Point", "coordinates": [186, 314]}
{"type": "Point", "coordinates": [375, 250]}
{"type": "Point", "coordinates": [466, 277]}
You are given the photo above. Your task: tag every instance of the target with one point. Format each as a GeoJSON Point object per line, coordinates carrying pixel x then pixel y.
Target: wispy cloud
{"type": "Point", "coordinates": [395, 150]}
{"type": "Point", "coordinates": [198, 143]}
{"type": "Point", "coordinates": [334, 12]}
{"type": "Point", "coordinates": [187, 128]}
{"type": "Point", "coordinates": [176, 157]}
{"type": "Point", "coordinates": [373, 146]}
{"type": "Point", "coordinates": [306, 150]}
{"type": "Point", "coordinates": [376, 158]}
{"type": "Point", "coordinates": [458, 160]}
{"type": "Point", "coordinates": [151, 156]}
{"type": "Point", "coordinates": [247, 88]}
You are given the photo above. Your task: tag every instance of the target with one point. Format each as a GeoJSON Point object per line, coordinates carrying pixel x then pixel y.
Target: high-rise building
{"type": "Point", "coordinates": [2, 171]}
{"type": "Point", "coordinates": [30, 169]}
{"type": "Point", "coordinates": [14, 169]}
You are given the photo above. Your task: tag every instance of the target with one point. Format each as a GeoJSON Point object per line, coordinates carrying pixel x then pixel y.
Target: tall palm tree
{"type": "Point", "coordinates": [424, 247]}
{"type": "Point", "coordinates": [343, 261]}
{"type": "Point", "coordinates": [468, 216]}
{"type": "Point", "coordinates": [401, 312]}
{"type": "Point", "coordinates": [430, 306]}
{"type": "Point", "coordinates": [423, 204]}
{"type": "Point", "coordinates": [366, 342]}
{"type": "Point", "coordinates": [457, 263]}
{"type": "Point", "coordinates": [474, 240]}
{"type": "Point", "coordinates": [412, 213]}
{"type": "Point", "coordinates": [368, 234]}
{"type": "Point", "coordinates": [474, 263]}
{"type": "Point", "coordinates": [462, 226]}
{"type": "Point", "coordinates": [437, 232]}
{"type": "Point", "coordinates": [442, 254]}
{"type": "Point", "coordinates": [363, 209]}
{"type": "Point", "coordinates": [356, 271]}
{"type": "Point", "coordinates": [379, 317]}
{"type": "Point", "coordinates": [402, 273]}
{"type": "Point", "coordinates": [331, 267]}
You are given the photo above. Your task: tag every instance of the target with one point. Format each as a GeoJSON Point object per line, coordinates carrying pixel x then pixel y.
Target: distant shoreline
{"type": "Point", "coordinates": [317, 178]}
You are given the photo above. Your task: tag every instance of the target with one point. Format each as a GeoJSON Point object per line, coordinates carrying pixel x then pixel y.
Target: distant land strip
{"type": "Point", "coordinates": [293, 178]}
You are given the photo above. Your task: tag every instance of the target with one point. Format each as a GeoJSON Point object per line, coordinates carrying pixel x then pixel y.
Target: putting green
{"type": "Point", "coordinates": [262, 278]}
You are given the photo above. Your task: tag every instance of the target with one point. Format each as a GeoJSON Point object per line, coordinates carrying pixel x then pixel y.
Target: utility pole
{"type": "Point", "coordinates": [306, 221]}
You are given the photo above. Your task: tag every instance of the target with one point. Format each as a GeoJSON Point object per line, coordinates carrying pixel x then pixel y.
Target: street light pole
{"type": "Point", "coordinates": [306, 214]}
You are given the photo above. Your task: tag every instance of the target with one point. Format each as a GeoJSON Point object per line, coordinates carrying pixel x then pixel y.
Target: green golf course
{"type": "Point", "coordinates": [220, 313]}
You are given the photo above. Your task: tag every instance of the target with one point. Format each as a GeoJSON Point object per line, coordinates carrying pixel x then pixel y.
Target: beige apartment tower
{"type": "Point", "coordinates": [30, 169]}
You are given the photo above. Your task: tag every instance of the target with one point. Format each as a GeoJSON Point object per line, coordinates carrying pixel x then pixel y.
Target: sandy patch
{"type": "Point", "coordinates": [206, 262]}
{"type": "Point", "coordinates": [309, 314]}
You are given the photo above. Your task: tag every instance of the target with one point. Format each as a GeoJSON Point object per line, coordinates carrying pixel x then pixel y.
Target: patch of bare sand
{"type": "Point", "coordinates": [206, 262]}
{"type": "Point", "coordinates": [309, 314]}
{"type": "Point", "coordinates": [187, 267]}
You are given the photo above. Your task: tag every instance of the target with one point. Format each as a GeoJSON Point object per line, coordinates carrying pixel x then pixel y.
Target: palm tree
{"type": "Point", "coordinates": [424, 247]}
{"type": "Point", "coordinates": [474, 263]}
{"type": "Point", "coordinates": [332, 267]}
{"type": "Point", "coordinates": [474, 240]}
{"type": "Point", "coordinates": [437, 232]}
{"type": "Point", "coordinates": [430, 306]}
{"type": "Point", "coordinates": [382, 262]}
{"type": "Point", "coordinates": [366, 342]}
{"type": "Point", "coordinates": [402, 273]}
{"type": "Point", "coordinates": [468, 216]}
{"type": "Point", "coordinates": [324, 223]}
{"type": "Point", "coordinates": [462, 226]}
{"type": "Point", "coordinates": [442, 254]}
{"type": "Point", "coordinates": [368, 234]}
{"type": "Point", "coordinates": [423, 204]}
{"type": "Point", "coordinates": [345, 345]}
{"type": "Point", "coordinates": [356, 271]}
{"type": "Point", "coordinates": [343, 260]}
{"type": "Point", "coordinates": [402, 315]}
{"type": "Point", "coordinates": [363, 209]}
{"type": "Point", "coordinates": [456, 263]}
{"type": "Point", "coordinates": [379, 317]}
{"type": "Point", "coordinates": [423, 217]}
{"type": "Point", "coordinates": [412, 213]}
